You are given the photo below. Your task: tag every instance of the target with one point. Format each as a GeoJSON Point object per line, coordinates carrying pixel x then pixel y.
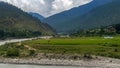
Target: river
{"type": "Point", "coordinates": [2, 42]}
{"type": "Point", "coordinates": [37, 66]}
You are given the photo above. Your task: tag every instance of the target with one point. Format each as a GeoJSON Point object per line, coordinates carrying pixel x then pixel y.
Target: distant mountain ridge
{"type": "Point", "coordinates": [101, 16]}
{"type": "Point", "coordinates": [58, 20]}
{"type": "Point", "coordinates": [40, 17]}
{"type": "Point", "coordinates": [17, 23]}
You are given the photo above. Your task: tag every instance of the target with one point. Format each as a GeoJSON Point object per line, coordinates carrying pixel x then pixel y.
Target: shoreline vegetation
{"type": "Point", "coordinates": [83, 51]}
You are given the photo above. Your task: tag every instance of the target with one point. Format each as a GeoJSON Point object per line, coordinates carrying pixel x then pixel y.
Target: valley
{"type": "Point", "coordinates": [87, 36]}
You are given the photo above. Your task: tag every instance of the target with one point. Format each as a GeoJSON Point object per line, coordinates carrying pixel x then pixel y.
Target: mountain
{"type": "Point", "coordinates": [17, 23]}
{"type": "Point", "coordinates": [57, 21]}
{"type": "Point", "coordinates": [40, 17]}
{"type": "Point", "coordinates": [105, 15]}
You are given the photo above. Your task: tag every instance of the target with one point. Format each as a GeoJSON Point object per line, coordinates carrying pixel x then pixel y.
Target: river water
{"type": "Point", "coordinates": [37, 66]}
{"type": "Point", "coordinates": [2, 42]}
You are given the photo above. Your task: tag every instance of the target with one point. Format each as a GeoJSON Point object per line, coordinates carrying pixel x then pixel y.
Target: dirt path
{"type": "Point", "coordinates": [29, 48]}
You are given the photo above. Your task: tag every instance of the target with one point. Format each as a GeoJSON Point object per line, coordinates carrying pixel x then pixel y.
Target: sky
{"type": "Point", "coordinates": [46, 7]}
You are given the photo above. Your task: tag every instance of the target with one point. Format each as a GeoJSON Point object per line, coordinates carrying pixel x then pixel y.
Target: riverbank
{"type": "Point", "coordinates": [102, 62]}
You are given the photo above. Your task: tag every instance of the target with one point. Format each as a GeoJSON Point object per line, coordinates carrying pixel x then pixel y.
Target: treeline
{"type": "Point", "coordinates": [18, 34]}
{"type": "Point", "coordinates": [103, 31]}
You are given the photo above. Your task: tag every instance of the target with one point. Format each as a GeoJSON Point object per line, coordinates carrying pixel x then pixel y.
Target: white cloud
{"type": "Point", "coordinates": [62, 4]}
{"type": "Point", "coordinates": [42, 2]}
{"type": "Point", "coordinates": [47, 7]}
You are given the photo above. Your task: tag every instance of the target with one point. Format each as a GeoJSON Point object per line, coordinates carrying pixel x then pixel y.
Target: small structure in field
{"type": "Point", "coordinates": [45, 37]}
{"type": "Point", "coordinates": [64, 36]}
{"type": "Point", "coordinates": [108, 37]}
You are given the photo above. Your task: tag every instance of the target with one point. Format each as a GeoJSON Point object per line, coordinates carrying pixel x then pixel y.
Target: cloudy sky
{"type": "Point", "coordinates": [47, 7]}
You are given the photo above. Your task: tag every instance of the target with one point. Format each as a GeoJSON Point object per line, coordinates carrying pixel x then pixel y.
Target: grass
{"type": "Point", "coordinates": [76, 41]}
{"type": "Point", "coordinates": [85, 45]}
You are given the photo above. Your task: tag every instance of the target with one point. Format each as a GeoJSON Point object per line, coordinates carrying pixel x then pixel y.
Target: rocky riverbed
{"type": "Point", "coordinates": [101, 62]}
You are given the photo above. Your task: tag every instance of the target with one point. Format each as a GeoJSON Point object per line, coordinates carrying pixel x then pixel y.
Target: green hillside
{"type": "Point", "coordinates": [17, 23]}
{"type": "Point", "coordinates": [105, 15]}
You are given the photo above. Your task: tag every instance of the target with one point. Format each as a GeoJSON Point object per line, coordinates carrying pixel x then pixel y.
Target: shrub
{"type": "Point", "coordinates": [13, 52]}
{"type": "Point", "coordinates": [114, 45]}
{"type": "Point", "coordinates": [88, 56]}
{"type": "Point", "coordinates": [116, 50]}
{"type": "Point", "coordinates": [31, 52]}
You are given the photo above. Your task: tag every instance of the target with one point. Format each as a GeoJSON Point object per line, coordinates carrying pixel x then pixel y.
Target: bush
{"type": "Point", "coordinates": [116, 50]}
{"type": "Point", "coordinates": [31, 52]}
{"type": "Point", "coordinates": [88, 56]}
{"type": "Point", "coordinates": [114, 45]}
{"type": "Point", "coordinates": [13, 52]}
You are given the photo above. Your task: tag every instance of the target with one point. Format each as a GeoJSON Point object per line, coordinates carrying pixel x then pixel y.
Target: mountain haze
{"type": "Point", "coordinates": [40, 17]}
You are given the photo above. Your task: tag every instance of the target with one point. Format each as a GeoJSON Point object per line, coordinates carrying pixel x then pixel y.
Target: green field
{"type": "Point", "coordinates": [84, 45]}
{"type": "Point", "coordinates": [76, 41]}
